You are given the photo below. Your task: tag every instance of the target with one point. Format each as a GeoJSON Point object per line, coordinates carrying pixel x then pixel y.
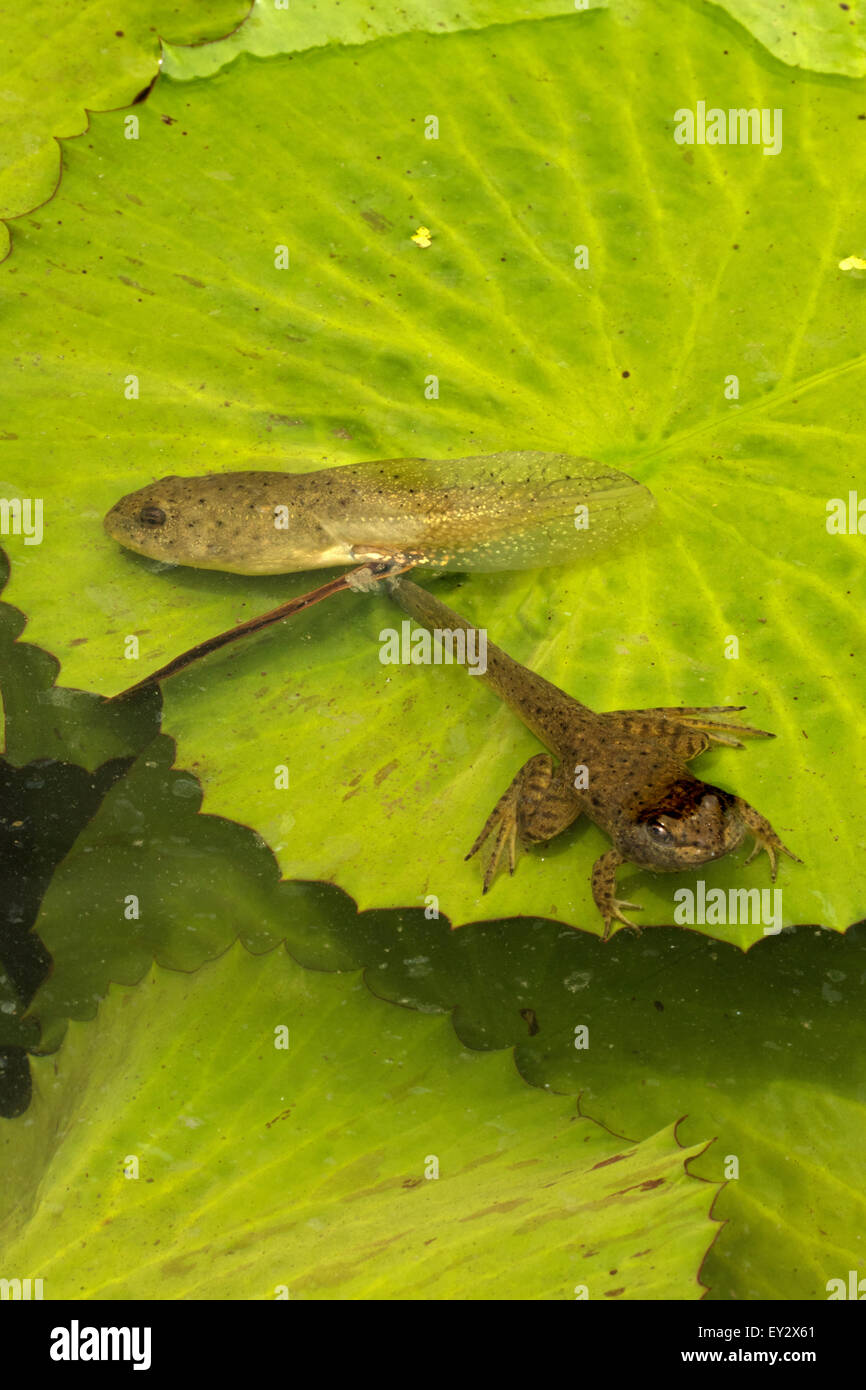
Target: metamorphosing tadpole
{"type": "Point", "coordinates": [509, 511]}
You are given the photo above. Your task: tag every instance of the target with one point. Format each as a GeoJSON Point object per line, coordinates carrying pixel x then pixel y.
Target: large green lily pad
{"type": "Point", "coordinates": [178, 1149]}
{"type": "Point", "coordinates": [750, 1047]}
{"type": "Point", "coordinates": [271, 29]}
{"type": "Point", "coordinates": [158, 261]}
{"type": "Point", "coordinates": [63, 57]}
{"type": "Point", "coordinates": [826, 38]}
{"type": "Point", "coordinates": [763, 1050]}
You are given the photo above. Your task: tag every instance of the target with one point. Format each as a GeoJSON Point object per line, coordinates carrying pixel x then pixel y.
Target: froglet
{"type": "Point", "coordinates": [627, 771]}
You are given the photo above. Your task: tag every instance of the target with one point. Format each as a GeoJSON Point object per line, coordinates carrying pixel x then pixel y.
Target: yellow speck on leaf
{"type": "Point", "coordinates": [852, 263]}
{"type": "Point", "coordinates": [422, 237]}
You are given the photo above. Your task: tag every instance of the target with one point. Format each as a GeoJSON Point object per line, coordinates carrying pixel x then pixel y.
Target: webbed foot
{"type": "Point", "coordinates": [685, 730]}
{"type": "Point", "coordinates": [604, 893]}
{"type": "Point", "coordinates": [539, 803]}
{"type": "Point", "coordinates": [765, 836]}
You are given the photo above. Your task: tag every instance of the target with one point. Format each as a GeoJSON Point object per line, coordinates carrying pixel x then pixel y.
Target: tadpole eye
{"type": "Point", "coordinates": [152, 516]}
{"type": "Point", "coordinates": [657, 830]}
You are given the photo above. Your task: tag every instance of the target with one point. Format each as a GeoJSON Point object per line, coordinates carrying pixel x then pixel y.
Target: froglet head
{"type": "Point", "coordinates": [690, 823]}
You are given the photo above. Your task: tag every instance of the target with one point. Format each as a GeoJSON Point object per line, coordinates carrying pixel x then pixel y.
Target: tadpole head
{"type": "Point", "coordinates": [148, 521]}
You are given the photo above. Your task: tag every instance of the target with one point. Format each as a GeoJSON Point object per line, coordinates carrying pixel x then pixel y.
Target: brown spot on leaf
{"type": "Point", "coordinates": [385, 771]}
{"type": "Point", "coordinates": [281, 1116]}
{"type": "Point", "coordinates": [616, 1158]}
{"type": "Point", "coordinates": [133, 284]}
{"type": "Point", "coordinates": [376, 221]}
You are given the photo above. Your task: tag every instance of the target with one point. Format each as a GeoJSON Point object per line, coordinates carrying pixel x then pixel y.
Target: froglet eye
{"type": "Point", "coordinates": [152, 516]}
{"type": "Point", "coordinates": [658, 831]}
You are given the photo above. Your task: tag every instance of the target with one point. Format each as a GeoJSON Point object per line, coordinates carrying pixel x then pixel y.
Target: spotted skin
{"type": "Point", "coordinates": [625, 770]}
{"type": "Point", "coordinates": [513, 510]}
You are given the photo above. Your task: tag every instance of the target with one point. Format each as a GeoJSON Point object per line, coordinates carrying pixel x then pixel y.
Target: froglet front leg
{"type": "Point", "coordinates": [604, 892]}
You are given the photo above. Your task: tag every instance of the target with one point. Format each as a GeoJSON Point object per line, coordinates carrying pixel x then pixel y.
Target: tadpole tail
{"type": "Point", "coordinates": [232, 634]}
{"type": "Point", "coordinates": [536, 701]}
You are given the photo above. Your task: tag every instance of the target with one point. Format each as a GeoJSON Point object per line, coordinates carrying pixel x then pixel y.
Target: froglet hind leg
{"type": "Point", "coordinates": [604, 892]}
{"type": "Point", "coordinates": [686, 732]}
{"type": "Point", "coordinates": [765, 836]}
{"type": "Point", "coordinates": [540, 802]}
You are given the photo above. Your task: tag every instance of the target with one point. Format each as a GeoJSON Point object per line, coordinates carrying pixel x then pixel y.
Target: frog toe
{"type": "Point", "coordinates": [773, 848]}
{"type": "Point", "coordinates": [533, 808]}
{"type": "Point", "coordinates": [502, 820]}
{"type": "Point", "coordinates": [616, 913]}
{"type": "Point", "coordinates": [719, 731]}
{"type": "Point", "coordinates": [765, 837]}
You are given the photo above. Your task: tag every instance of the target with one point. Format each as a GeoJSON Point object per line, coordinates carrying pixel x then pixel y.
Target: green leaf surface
{"type": "Point", "coordinates": [826, 38]}
{"type": "Point", "coordinates": [552, 135]}
{"type": "Point", "coordinates": [15, 1030]}
{"type": "Point", "coordinates": [764, 1051]}
{"type": "Point", "coordinates": [62, 58]}
{"type": "Point", "coordinates": [307, 1171]}
{"type": "Point", "coordinates": [751, 1048]}
{"type": "Point", "coordinates": [272, 29]}
{"type": "Point", "coordinates": [171, 886]}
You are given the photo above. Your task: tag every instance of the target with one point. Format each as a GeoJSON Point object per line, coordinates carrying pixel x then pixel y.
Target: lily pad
{"type": "Point", "coordinates": [826, 38]}
{"type": "Point", "coordinates": [177, 345]}
{"type": "Point", "coordinates": [763, 1050]}
{"type": "Point", "coordinates": [748, 1047]}
{"type": "Point", "coordinates": [63, 57]}
{"type": "Point", "coordinates": [258, 1131]}
{"type": "Point", "coordinates": [271, 29]}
